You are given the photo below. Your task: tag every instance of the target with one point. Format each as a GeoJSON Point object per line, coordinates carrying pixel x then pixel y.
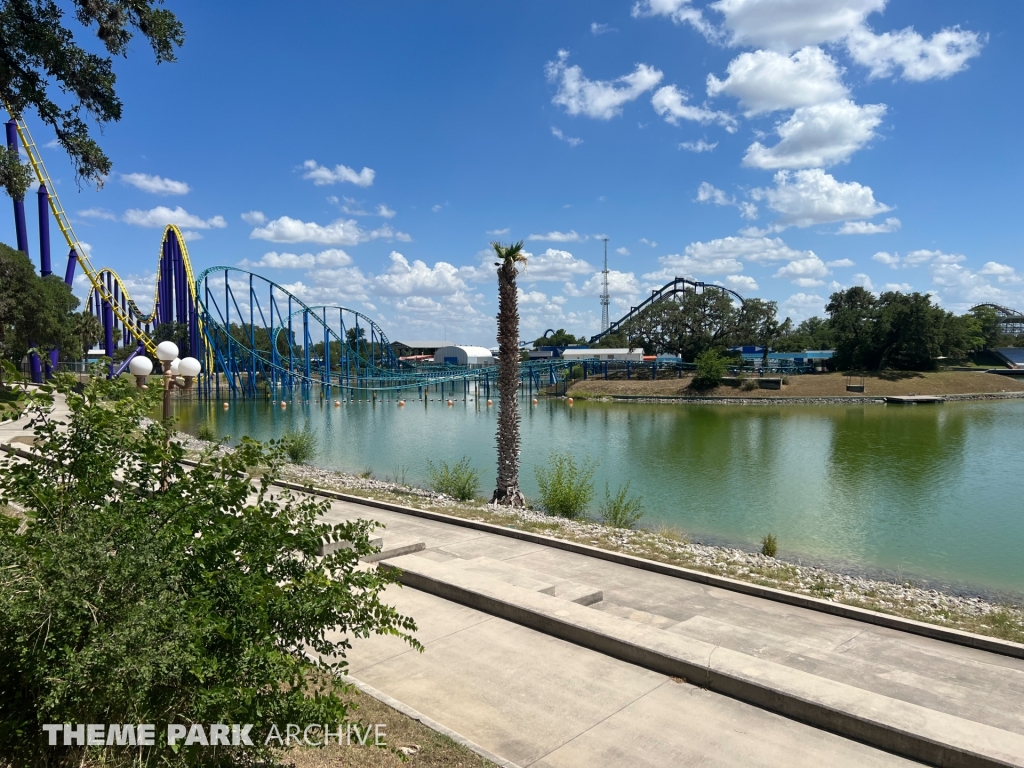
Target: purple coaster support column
{"type": "Point", "coordinates": [19, 203]}
{"type": "Point", "coordinates": [69, 273]}
{"type": "Point", "coordinates": [44, 231]}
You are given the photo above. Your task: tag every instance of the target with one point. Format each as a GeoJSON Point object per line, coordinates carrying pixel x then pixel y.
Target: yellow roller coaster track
{"type": "Point", "coordinates": [95, 277]}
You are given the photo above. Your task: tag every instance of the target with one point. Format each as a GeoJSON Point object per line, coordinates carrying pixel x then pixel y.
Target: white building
{"type": "Point", "coordinates": [632, 355]}
{"type": "Point", "coordinates": [463, 355]}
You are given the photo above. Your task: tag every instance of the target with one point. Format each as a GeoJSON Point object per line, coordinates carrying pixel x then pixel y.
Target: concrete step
{"type": "Point", "coordinates": [895, 725]}
{"type": "Point", "coordinates": [641, 617]}
{"type": "Point", "coordinates": [389, 547]}
{"type": "Point", "coordinates": [525, 578]}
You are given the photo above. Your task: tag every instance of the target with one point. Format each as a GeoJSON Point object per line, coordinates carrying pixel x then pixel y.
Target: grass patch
{"type": "Point", "coordinates": [460, 480]}
{"type": "Point", "coordinates": [565, 488]}
{"type": "Point", "coordinates": [621, 510]}
{"type": "Point", "coordinates": [205, 432]}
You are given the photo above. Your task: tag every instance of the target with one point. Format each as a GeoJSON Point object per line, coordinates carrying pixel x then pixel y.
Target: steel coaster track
{"type": "Point", "coordinates": [74, 244]}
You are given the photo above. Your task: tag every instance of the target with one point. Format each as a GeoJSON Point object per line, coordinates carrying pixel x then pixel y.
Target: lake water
{"type": "Point", "coordinates": [933, 492]}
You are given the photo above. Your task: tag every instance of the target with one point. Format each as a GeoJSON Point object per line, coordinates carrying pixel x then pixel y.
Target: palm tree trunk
{"type": "Point", "coordinates": [507, 493]}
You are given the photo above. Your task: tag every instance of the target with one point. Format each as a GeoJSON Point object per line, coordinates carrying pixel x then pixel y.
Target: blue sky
{"type": "Point", "coordinates": [365, 154]}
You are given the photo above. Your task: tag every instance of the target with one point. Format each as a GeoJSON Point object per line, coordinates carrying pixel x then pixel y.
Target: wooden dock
{"type": "Point", "coordinates": [914, 399]}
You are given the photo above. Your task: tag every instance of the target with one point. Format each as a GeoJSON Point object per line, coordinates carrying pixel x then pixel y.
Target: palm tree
{"type": "Point", "coordinates": [507, 493]}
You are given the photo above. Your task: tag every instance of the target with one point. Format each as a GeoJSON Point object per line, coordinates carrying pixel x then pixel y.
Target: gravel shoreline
{"type": "Point", "coordinates": [837, 400]}
{"type": "Point", "coordinates": [971, 612]}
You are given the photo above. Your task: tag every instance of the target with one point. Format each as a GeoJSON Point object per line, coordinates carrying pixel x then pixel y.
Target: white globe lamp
{"type": "Point", "coordinates": [140, 367]}
{"type": "Point", "coordinates": [166, 351]}
{"type": "Point", "coordinates": [174, 366]}
{"type": "Point", "coordinates": [189, 367]}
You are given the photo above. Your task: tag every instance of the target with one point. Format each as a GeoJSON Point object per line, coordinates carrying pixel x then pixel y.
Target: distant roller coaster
{"type": "Point", "coordinates": [1011, 321]}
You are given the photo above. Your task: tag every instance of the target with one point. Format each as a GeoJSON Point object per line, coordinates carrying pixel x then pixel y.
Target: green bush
{"type": "Point", "coordinates": [460, 480]}
{"type": "Point", "coordinates": [621, 510]}
{"type": "Point", "coordinates": [300, 447]}
{"type": "Point", "coordinates": [133, 591]}
{"type": "Point", "coordinates": [748, 385]}
{"type": "Point", "coordinates": [205, 432]}
{"type": "Point", "coordinates": [769, 545]}
{"type": "Point", "coordinates": [566, 489]}
{"type": "Point", "coordinates": [710, 369]}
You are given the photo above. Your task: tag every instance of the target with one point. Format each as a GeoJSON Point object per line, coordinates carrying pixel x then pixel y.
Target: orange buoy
{"type": "Point", "coordinates": [284, 404]}
{"type": "Point", "coordinates": [535, 401]}
{"type": "Point", "coordinates": [337, 403]}
{"type": "Point", "coordinates": [401, 403]}
{"type": "Point", "coordinates": [226, 405]}
{"type": "Point", "coordinates": [490, 402]}
{"type": "Point", "coordinates": [570, 401]}
{"type": "Point", "coordinates": [449, 402]}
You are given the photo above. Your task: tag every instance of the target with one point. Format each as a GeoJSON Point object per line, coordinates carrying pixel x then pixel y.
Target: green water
{"type": "Point", "coordinates": [930, 492]}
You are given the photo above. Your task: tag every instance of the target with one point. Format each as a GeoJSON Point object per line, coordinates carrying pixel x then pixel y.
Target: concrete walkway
{"type": "Point", "coordinates": [537, 699]}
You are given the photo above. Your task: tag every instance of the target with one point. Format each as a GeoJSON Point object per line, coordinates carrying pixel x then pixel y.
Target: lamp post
{"type": "Point", "coordinates": [178, 374]}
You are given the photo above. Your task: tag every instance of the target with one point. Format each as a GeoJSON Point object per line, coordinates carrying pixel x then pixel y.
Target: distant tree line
{"type": "Point", "coordinates": [894, 330]}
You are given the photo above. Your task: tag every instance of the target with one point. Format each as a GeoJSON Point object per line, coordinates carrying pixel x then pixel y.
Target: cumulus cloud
{"type": "Point", "coordinates": [601, 29]}
{"type": "Point", "coordinates": [839, 263]}
{"type": "Point", "coordinates": [384, 212]}
{"type": "Point", "coordinates": [156, 185]}
{"type": "Point", "coordinates": [917, 258]}
{"type": "Point", "coordinates": [680, 11]}
{"type": "Point", "coordinates": [812, 197]}
{"type": "Point", "coordinates": [255, 218]}
{"type": "Point", "coordinates": [619, 284]}
{"type": "Point", "coordinates": [600, 99]}
{"type": "Point", "coordinates": [531, 297]}
{"type": "Point", "coordinates": [698, 146]}
{"type": "Point", "coordinates": [554, 264]}
{"type": "Point", "coordinates": [338, 232]}
{"type": "Point", "coordinates": [321, 175]}
{"type": "Point", "coordinates": [942, 55]}
{"type": "Point", "coordinates": [502, 231]}
{"type": "Point", "coordinates": [708, 193]}
{"type": "Point", "coordinates": [788, 25]}
{"type": "Point", "coordinates": [417, 279]}
{"type": "Point", "coordinates": [622, 251]}
{"type": "Point", "coordinates": [867, 228]}
{"type": "Point", "coordinates": [572, 141]}
{"type": "Point", "coordinates": [572, 236]}
{"type": "Point", "coordinates": [722, 257]}
{"type": "Point", "coordinates": [766, 81]}
{"type": "Point", "coordinates": [671, 103]}
{"type": "Point", "coordinates": [800, 306]}
{"type": "Point", "coordinates": [332, 257]}
{"type": "Point", "coordinates": [819, 135]}
{"type": "Point", "coordinates": [161, 216]}
{"type": "Point", "coordinates": [805, 272]}
{"type": "Point", "coordinates": [741, 283]}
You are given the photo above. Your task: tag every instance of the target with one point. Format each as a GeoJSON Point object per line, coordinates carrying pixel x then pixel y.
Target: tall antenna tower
{"type": "Point", "coordinates": [605, 299]}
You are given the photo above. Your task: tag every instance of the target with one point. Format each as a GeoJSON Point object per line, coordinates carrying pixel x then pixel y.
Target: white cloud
{"type": "Point", "coordinates": [502, 231]}
{"type": "Point", "coordinates": [321, 175]}
{"type": "Point", "coordinates": [405, 279]}
{"type": "Point", "coordinates": [863, 280]}
{"type": "Point", "coordinates": [332, 286]}
{"type": "Point", "coordinates": [188, 235]}
{"type": "Point", "coordinates": [788, 25]}
{"type": "Point", "coordinates": [384, 212]}
{"type": "Point", "coordinates": [804, 272]}
{"type": "Point", "coordinates": [98, 213]}
{"type": "Point", "coordinates": [819, 135]}
{"type": "Point", "coordinates": [708, 193]}
{"type": "Point", "coordinates": [766, 81]}
{"type": "Point", "coordinates": [942, 55]}
{"type": "Point", "coordinates": [600, 99]}
{"type": "Point", "coordinates": [161, 216]}
{"type": "Point", "coordinates": [838, 263]}
{"type": "Point", "coordinates": [652, 243]}
{"type": "Point", "coordinates": [867, 228]}
{"type": "Point", "coordinates": [680, 11]}
{"type": "Point", "coordinates": [901, 287]}
{"type": "Point", "coordinates": [917, 258]}
{"type": "Point", "coordinates": [156, 185]}
{"type": "Point", "coordinates": [619, 284]}
{"type": "Point", "coordinates": [338, 232]}
{"type": "Point", "coordinates": [572, 141]}
{"type": "Point", "coordinates": [997, 269]}
{"type": "Point", "coordinates": [722, 257]}
{"type": "Point", "coordinates": [890, 260]}
{"type": "Point", "coordinates": [554, 264]}
{"type": "Point", "coordinates": [572, 236]}
{"type": "Point", "coordinates": [255, 218]}
{"type": "Point", "coordinates": [741, 283]}
{"type": "Point", "coordinates": [800, 306]}
{"type": "Point", "coordinates": [332, 257]}
{"type": "Point", "coordinates": [601, 29]}
{"type": "Point", "coordinates": [622, 251]}
{"type": "Point", "coordinates": [812, 197]}
{"type": "Point", "coordinates": [670, 103]}
{"type": "Point", "coordinates": [531, 297]}
{"type": "Point", "coordinates": [436, 207]}
{"type": "Point", "coordinates": [698, 146]}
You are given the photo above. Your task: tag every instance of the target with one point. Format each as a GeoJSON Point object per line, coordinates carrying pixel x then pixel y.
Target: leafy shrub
{"type": "Point", "coordinates": [710, 369]}
{"type": "Point", "coordinates": [367, 473]}
{"type": "Point", "coordinates": [133, 591]}
{"type": "Point", "coordinates": [785, 380]}
{"type": "Point", "coordinates": [460, 480]}
{"type": "Point", "coordinates": [205, 432]}
{"type": "Point", "coordinates": [300, 447]}
{"type": "Point", "coordinates": [566, 489]}
{"type": "Point", "coordinates": [621, 510]}
{"type": "Point", "coordinates": [748, 385]}
{"type": "Point", "coordinates": [769, 545]}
